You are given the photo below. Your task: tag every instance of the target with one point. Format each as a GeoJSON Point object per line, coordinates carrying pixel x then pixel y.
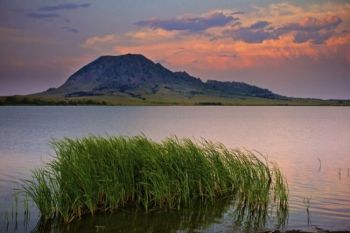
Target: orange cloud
{"type": "Point", "coordinates": [308, 33]}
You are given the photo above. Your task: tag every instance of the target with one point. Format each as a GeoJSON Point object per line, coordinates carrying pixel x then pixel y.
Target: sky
{"type": "Point", "coordinates": [294, 48]}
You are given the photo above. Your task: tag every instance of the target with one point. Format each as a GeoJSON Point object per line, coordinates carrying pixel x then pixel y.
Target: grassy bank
{"type": "Point", "coordinates": [104, 174]}
{"type": "Point", "coordinates": [198, 100]}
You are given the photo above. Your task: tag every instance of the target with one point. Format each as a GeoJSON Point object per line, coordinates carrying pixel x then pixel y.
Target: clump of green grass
{"type": "Point", "coordinates": [102, 174]}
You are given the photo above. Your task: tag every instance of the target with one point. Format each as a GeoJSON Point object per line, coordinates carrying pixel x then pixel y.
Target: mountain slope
{"type": "Point", "coordinates": [135, 76]}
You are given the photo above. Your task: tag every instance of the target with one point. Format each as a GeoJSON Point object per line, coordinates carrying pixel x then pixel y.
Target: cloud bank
{"type": "Point", "coordinates": [224, 40]}
{"type": "Point", "coordinates": [316, 30]}
{"type": "Point", "coordinates": [63, 6]}
{"type": "Point", "coordinates": [48, 11]}
{"type": "Point", "coordinates": [190, 23]}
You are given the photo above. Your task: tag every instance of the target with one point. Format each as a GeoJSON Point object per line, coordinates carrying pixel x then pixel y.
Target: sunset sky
{"type": "Point", "coordinates": [294, 48]}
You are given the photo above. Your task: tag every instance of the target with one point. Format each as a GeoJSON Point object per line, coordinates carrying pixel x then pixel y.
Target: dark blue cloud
{"type": "Point", "coordinates": [311, 29]}
{"type": "Point", "coordinates": [70, 29]}
{"type": "Point", "coordinates": [314, 37]}
{"type": "Point", "coordinates": [50, 11]}
{"type": "Point", "coordinates": [259, 24]}
{"type": "Point", "coordinates": [63, 6]}
{"type": "Point", "coordinates": [37, 15]}
{"type": "Point", "coordinates": [192, 24]}
{"type": "Point", "coordinates": [254, 35]}
{"type": "Point", "coordinates": [312, 24]}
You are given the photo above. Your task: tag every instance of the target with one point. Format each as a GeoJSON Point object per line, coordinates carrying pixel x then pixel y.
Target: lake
{"type": "Point", "coordinates": [311, 145]}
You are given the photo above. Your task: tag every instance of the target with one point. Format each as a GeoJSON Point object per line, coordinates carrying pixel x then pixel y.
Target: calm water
{"type": "Point", "coordinates": [310, 144]}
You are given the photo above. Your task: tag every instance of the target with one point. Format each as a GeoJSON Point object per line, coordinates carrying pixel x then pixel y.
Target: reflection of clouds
{"type": "Point", "coordinates": [294, 137]}
{"type": "Point", "coordinates": [328, 195]}
{"type": "Point", "coordinates": [17, 166]}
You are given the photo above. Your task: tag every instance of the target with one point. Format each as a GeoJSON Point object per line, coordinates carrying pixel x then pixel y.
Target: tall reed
{"type": "Point", "coordinates": [102, 174]}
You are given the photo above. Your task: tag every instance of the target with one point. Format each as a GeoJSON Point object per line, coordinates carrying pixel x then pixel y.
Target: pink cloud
{"type": "Point", "coordinates": [253, 43]}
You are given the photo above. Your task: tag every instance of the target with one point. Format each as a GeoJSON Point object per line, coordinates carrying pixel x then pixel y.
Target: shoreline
{"type": "Point", "coordinates": [19, 100]}
{"type": "Point", "coordinates": [302, 231]}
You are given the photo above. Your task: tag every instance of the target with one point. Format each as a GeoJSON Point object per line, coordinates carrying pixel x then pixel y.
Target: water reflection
{"type": "Point", "coordinates": [294, 137]}
{"type": "Point", "coordinates": [198, 216]}
{"type": "Point", "coordinates": [227, 214]}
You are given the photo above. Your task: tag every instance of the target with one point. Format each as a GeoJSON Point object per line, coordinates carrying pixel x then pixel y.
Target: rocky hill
{"type": "Point", "coordinates": [136, 76]}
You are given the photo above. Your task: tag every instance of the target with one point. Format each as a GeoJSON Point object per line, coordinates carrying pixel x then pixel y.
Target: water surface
{"type": "Point", "coordinates": [310, 144]}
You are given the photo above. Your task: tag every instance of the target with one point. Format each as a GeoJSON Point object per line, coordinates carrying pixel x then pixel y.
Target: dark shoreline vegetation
{"type": "Point", "coordinates": [94, 175]}
{"type": "Point", "coordinates": [35, 100]}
